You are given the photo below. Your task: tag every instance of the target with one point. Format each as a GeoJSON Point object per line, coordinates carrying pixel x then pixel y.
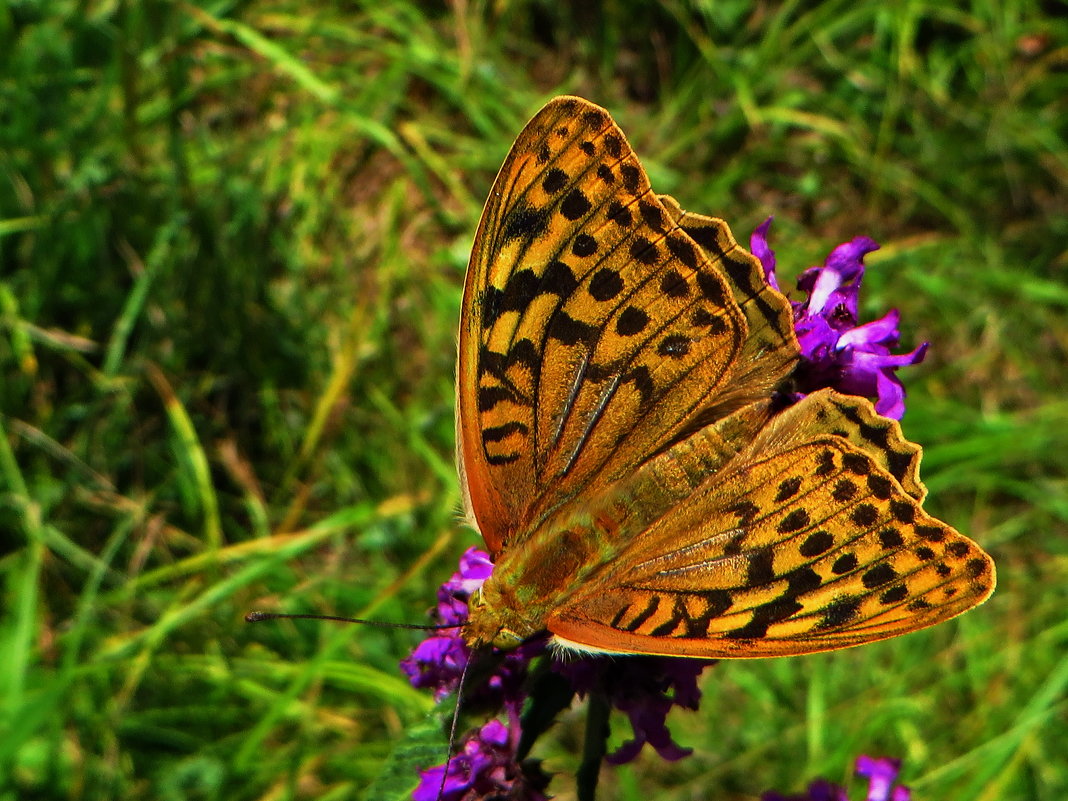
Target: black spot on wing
{"type": "Point", "coordinates": [794, 521]}
{"type": "Point", "coordinates": [903, 511]}
{"type": "Point", "coordinates": [501, 432]}
{"type": "Point", "coordinates": [653, 215]}
{"type": "Point", "coordinates": [613, 145]}
{"type": "Point", "coordinates": [896, 594]}
{"type": "Point", "coordinates": [745, 511]}
{"type": "Point", "coordinates": [674, 346]}
{"type": "Point", "coordinates": [801, 580]}
{"type": "Point", "coordinates": [839, 612]}
{"type": "Point", "coordinates": [763, 616]}
{"type": "Point", "coordinates": [683, 250]}
{"type": "Point", "coordinates": [817, 543]}
{"type": "Point", "coordinates": [899, 464]}
{"type": "Point", "coordinates": [584, 245]}
{"type": "Point", "coordinates": [644, 251]}
{"type": "Point", "coordinates": [575, 205]}
{"type": "Point", "coordinates": [878, 576]}
{"type": "Point", "coordinates": [707, 236]}
{"type": "Point", "coordinates": [890, 538]}
{"type": "Point", "coordinates": [525, 222]}
{"type": "Point", "coordinates": [931, 533]}
{"type": "Point", "coordinates": [702, 318]}
{"type": "Point", "coordinates": [958, 549]}
{"type": "Point", "coordinates": [643, 383]}
{"type": "Point", "coordinates": [570, 331]}
{"type": "Point", "coordinates": [845, 563]}
{"type": "Point", "coordinates": [555, 180]}
{"type": "Point", "coordinates": [788, 488]}
{"type": "Point", "coordinates": [631, 321]}
{"type": "Point", "coordinates": [856, 463]}
{"type": "Point", "coordinates": [521, 289]}
{"type": "Point", "coordinates": [595, 119]}
{"type": "Point", "coordinates": [760, 568]}
{"type": "Point", "coordinates": [619, 214]}
{"type": "Point", "coordinates": [711, 288]}
{"type": "Point", "coordinates": [491, 306]}
{"type": "Point", "coordinates": [674, 285]}
{"type": "Point", "coordinates": [844, 490]}
{"type": "Point", "coordinates": [864, 515]}
{"type": "Point", "coordinates": [605, 284]}
{"type": "Point", "coordinates": [559, 280]}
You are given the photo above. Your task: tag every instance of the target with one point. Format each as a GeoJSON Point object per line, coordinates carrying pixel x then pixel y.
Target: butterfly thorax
{"type": "Point", "coordinates": [548, 564]}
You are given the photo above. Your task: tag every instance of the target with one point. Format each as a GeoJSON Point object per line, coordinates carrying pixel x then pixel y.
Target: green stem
{"type": "Point", "coordinates": [594, 747]}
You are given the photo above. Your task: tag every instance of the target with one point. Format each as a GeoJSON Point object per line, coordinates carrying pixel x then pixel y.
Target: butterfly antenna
{"type": "Point", "coordinates": [256, 617]}
{"type": "Point", "coordinates": [452, 727]}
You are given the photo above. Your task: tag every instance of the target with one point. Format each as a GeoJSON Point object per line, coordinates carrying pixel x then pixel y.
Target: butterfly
{"type": "Point", "coordinates": [624, 445]}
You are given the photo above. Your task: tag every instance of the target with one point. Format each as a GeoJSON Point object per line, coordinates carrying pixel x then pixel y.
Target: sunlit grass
{"type": "Point", "coordinates": [233, 240]}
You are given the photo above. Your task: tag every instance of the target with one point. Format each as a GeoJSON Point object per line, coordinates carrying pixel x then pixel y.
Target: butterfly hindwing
{"type": "Point", "coordinates": [595, 329]}
{"type": "Point", "coordinates": [801, 542]}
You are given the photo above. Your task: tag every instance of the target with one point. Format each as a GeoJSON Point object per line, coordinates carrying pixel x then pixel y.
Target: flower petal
{"type": "Point", "coordinates": [758, 244]}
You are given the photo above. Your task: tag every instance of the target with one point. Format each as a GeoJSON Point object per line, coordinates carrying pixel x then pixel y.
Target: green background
{"type": "Point", "coordinates": [232, 238]}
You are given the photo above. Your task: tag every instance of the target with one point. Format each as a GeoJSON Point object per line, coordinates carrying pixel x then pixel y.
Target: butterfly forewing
{"type": "Point", "coordinates": [770, 345]}
{"type": "Point", "coordinates": [595, 328]}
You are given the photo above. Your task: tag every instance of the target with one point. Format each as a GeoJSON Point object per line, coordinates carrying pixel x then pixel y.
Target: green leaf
{"type": "Point", "coordinates": [424, 746]}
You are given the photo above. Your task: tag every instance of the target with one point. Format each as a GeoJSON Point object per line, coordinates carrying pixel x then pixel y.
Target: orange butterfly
{"type": "Point", "coordinates": [624, 449]}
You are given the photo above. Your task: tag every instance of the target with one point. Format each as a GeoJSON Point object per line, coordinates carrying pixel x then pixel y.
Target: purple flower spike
{"type": "Point", "coordinates": [645, 688]}
{"type": "Point", "coordinates": [485, 767]}
{"type": "Point", "coordinates": [835, 351]}
{"type": "Point", "coordinates": [881, 773]}
{"type": "Point", "coordinates": [639, 687]}
{"type": "Point", "coordinates": [438, 661]}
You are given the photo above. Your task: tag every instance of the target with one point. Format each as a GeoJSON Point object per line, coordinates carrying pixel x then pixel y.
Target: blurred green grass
{"type": "Point", "coordinates": [232, 240]}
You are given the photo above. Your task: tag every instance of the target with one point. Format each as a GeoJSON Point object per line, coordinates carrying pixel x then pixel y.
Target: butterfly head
{"type": "Point", "coordinates": [488, 623]}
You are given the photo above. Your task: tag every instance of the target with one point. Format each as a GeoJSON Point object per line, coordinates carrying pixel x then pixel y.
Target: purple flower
{"type": "Point", "coordinates": [485, 767]}
{"type": "Point", "coordinates": [438, 661]}
{"type": "Point", "coordinates": [758, 243]}
{"type": "Point", "coordinates": [645, 688]}
{"type": "Point", "coordinates": [880, 773]}
{"type": "Point", "coordinates": [639, 686]}
{"type": "Point", "coordinates": [836, 351]}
